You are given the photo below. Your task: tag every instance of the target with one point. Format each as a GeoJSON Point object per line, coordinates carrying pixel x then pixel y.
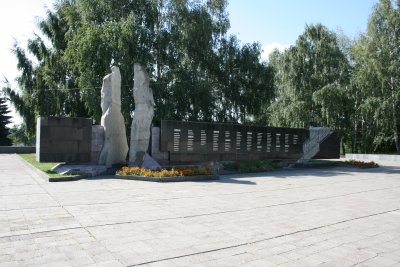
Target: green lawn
{"type": "Point", "coordinates": [44, 167]}
{"type": "Point", "coordinates": [252, 166]}
{"type": "Point", "coordinates": [331, 162]}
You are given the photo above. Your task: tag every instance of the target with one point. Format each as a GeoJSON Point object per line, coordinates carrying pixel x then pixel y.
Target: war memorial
{"type": "Point", "coordinates": [291, 217]}
{"type": "Point", "coordinates": [172, 143]}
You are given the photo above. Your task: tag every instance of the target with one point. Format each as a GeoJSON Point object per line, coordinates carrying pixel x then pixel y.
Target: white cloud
{"type": "Point", "coordinates": [269, 48]}
{"type": "Point", "coordinates": [18, 19]}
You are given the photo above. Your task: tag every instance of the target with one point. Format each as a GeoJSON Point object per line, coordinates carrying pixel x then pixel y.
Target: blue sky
{"type": "Point", "coordinates": [272, 23]}
{"type": "Point", "coordinates": [280, 22]}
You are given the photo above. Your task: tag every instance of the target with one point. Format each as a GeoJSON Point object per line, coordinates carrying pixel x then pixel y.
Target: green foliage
{"type": "Point", "coordinates": [19, 135]}
{"type": "Point", "coordinates": [251, 166]}
{"type": "Point", "coordinates": [336, 108]}
{"type": "Point", "coordinates": [325, 79]}
{"type": "Point", "coordinates": [136, 171]}
{"type": "Point", "coordinates": [47, 87]}
{"type": "Point", "coordinates": [198, 72]}
{"type": "Point", "coordinates": [315, 62]}
{"type": "Point", "coordinates": [377, 80]}
{"type": "Point", "coordinates": [360, 164]}
{"type": "Point", "coordinates": [4, 120]}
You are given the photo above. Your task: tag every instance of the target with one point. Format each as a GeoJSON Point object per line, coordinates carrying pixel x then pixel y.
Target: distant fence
{"type": "Point", "coordinates": [17, 149]}
{"type": "Point", "coordinates": [383, 157]}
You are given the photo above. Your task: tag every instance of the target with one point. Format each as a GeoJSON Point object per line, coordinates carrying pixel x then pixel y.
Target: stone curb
{"type": "Point", "coordinates": [52, 179]}
{"type": "Point", "coordinates": [314, 165]}
{"type": "Point", "coordinates": [34, 169]}
{"type": "Point", "coordinates": [124, 177]}
{"type": "Point", "coordinates": [67, 178]}
{"type": "Point", "coordinates": [168, 179]}
{"type": "Point", "coordinates": [17, 149]}
{"type": "Point", "coordinates": [373, 157]}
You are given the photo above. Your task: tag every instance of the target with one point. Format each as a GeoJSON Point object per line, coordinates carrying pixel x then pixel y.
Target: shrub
{"type": "Point", "coordinates": [251, 166]}
{"type": "Point", "coordinates": [361, 164]}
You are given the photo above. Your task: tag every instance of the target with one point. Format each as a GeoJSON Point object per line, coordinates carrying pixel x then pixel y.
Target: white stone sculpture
{"type": "Point", "coordinates": [142, 118]}
{"type": "Point", "coordinates": [115, 146]}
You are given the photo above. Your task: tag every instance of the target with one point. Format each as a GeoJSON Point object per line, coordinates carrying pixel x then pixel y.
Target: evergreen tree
{"type": "Point", "coordinates": [19, 135]}
{"type": "Point", "coordinates": [4, 120]}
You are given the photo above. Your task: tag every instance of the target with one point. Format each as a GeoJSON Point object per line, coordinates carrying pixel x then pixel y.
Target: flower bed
{"type": "Point", "coordinates": [361, 164]}
{"type": "Point", "coordinates": [164, 175]}
{"type": "Point", "coordinates": [164, 172]}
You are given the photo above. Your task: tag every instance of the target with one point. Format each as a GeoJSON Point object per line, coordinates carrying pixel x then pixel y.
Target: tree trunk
{"type": "Point", "coordinates": [396, 129]}
{"type": "Point", "coordinates": [343, 146]}
{"type": "Point", "coordinates": [355, 137]}
{"type": "Point", "coordinates": [395, 117]}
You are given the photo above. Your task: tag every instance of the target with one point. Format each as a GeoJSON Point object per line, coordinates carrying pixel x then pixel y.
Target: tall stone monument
{"type": "Point", "coordinates": [142, 118]}
{"type": "Point", "coordinates": [115, 146]}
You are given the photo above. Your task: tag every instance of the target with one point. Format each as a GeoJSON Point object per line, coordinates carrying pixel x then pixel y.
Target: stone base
{"type": "Point", "coordinates": [160, 157]}
{"type": "Point", "coordinates": [314, 165]}
{"type": "Point", "coordinates": [97, 143]}
{"type": "Point", "coordinates": [168, 179]}
{"type": "Point", "coordinates": [145, 161]}
{"type": "Point", "coordinates": [87, 170]}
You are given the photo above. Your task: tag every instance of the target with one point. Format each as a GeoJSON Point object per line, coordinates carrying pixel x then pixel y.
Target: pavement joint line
{"type": "Point", "coordinates": [42, 175]}
{"type": "Point", "coordinates": [226, 194]}
{"type": "Point", "coordinates": [35, 208]}
{"type": "Point", "coordinates": [32, 194]}
{"type": "Point", "coordinates": [54, 199]}
{"type": "Point", "coordinates": [200, 215]}
{"type": "Point", "coordinates": [42, 232]}
{"type": "Point", "coordinates": [105, 247]}
{"type": "Point", "coordinates": [317, 252]}
{"type": "Point", "coordinates": [201, 196]}
{"type": "Point", "coordinates": [266, 239]}
{"type": "Point", "coordinates": [196, 215]}
{"type": "Point", "coordinates": [252, 175]}
{"type": "Point", "coordinates": [278, 189]}
{"type": "Point", "coordinates": [137, 243]}
{"type": "Point", "coordinates": [188, 197]}
{"type": "Point", "coordinates": [361, 262]}
{"type": "Point", "coordinates": [18, 185]}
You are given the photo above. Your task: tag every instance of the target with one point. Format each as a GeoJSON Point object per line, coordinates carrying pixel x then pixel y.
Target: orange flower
{"type": "Point", "coordinates": [164, 172]}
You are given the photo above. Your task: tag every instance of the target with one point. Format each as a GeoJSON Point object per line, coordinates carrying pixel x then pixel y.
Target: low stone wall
{"type": "Point", "coordinates": [97, 143]}
{"type": "Point", "coordinates": [168, 179]}
{"type": "Point", "coordinates": [329, 148]}
{"type": "Point", "coordinates": [160, 157]}
{"type": "Point", "coordinates": [72, 140]}
{"type": "Point", "coordinates": [17, 149]}
{"type": "Point", "coordinates": [61, 139]}
{"type": "Point", "coordinates": [383, 157]}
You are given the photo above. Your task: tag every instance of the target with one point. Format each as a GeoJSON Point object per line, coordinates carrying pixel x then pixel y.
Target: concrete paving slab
{"type": "Point", "coordinates": [327, 217]}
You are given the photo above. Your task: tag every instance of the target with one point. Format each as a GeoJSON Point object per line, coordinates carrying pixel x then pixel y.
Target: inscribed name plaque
{"type": "Point", "coordinates": [197, 141]}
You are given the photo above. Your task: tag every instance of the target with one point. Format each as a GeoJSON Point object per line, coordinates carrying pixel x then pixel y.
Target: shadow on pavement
{"type": "Point", "coordinates": [293, 173]}
{"type": "Point", "coordinates": [242, 178]}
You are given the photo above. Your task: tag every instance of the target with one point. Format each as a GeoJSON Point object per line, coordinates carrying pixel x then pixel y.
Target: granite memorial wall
{"type": "Point", "coordinates": [197, 141]}
{"type": "Point", "coordinates": [63, 139]}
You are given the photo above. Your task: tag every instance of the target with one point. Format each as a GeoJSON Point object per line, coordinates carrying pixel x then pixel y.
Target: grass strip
{"type": "Point", "coordinates": [43, 166]}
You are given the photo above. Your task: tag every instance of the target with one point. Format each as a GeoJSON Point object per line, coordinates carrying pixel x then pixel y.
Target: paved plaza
{"type": "Point", "coordinates": [323, 217]}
